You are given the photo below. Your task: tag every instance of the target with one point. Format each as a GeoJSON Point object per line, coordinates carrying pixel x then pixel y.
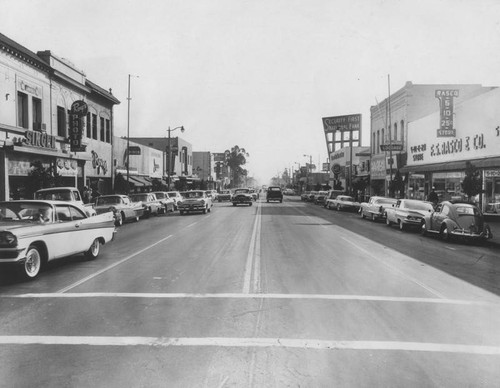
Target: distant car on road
{"type": "Point", "coordinates": [407, 212]}
{"type": "Point", "coordinates": [224, 195]}
{"type": "Point", "coordinates": [242, 196]}
{"type": "Point", "coordinates": [374, 209]}
{"type": "Point", "coordinates": [456, 220]}
{"type": "Point", "coordinates": [194, 201]}
{"type": "Point", "coordinates": [34, 232]}
{"type": "Point", "coordinates": [176, 196]}
{"type": "Point", "coordinates": [274, 193]}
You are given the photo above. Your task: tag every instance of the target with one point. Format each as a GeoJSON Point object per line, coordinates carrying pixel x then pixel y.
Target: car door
{"type": "Point", "coordinates": [438, 216]}
{"type": "Point", "coordinates": [63, 239]}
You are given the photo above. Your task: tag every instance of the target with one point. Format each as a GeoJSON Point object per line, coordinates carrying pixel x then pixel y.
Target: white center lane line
{"type": "Point", "coordinates": [253, 257]}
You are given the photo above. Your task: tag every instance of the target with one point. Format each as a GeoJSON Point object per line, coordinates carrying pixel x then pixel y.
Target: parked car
{"type": "Point", "coordinates": [150, 204]}
{"type": "Point", "coordinates": [242, 196]}
{"type": "Point", "coordinates": [312, 196]}
{"type": "Point", "coordinates": [305, 196]}
{"type": "Point", "coordinates": [67, 194]}
{"type": "Point", "coordinates": [167, 202]}
{"type": "Point", "coordinates": [224, 195]}
{"type": "Point", "coordinates": [343, 202]}
{"type": "Point", "coordinates": [320, 199]}
{"type": "Point", "coordinates": [460, 220]}
{"type": "Point", "coordinates": [33, 232]}
{"type": "Point", "coordinates": [274, 193]}
{"type": "Point", "coordinates": [289, 192]}
{"type": "Point", "coordinates": [122, 207]}
{"type": "Point", "coordinates": [407, 212]}
{"type": "Point", "coordinates": [176, 196]}
{"type": "Point", "coordinates": [332, 194]}
{"type": "Point", "coordinates": [194, 201]}
{"type": "Point", "coordinates": [374, 209]}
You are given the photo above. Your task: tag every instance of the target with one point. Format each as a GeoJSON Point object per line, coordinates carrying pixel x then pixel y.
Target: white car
{"type": "Point", "coordinates": [176, 196]}
{"type": "Point", "coordinates": [408, 212]}
{"type": "Point", "coordinates": [195, 201]}
{"type": "Point", "coordinates": [343, 202]}
{"type": "Point", "coordinates": [374, 209]}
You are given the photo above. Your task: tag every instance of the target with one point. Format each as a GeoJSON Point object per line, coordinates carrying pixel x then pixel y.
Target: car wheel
{"type": "Point", "coordinates": [338, 207]}
{"type": "Point", "coordinates": [445, 233]}
{"type": "Point", "coordinates": [362, 214]}
{"type": "Point", "coordinates": [402, 225]}
{"type": "Point", "coordinates": [136, 218]}
{"type": "Point", "coordinates": [209, 209]}
{"type": "Point", "coordinates": [204, 211]}
{"type": "Point", "coordinates": [373, 217]}
{"type": "Point", "coordinates": [33, 264]}
{"type": "Point", "coordinates": [267, 201]}
{"type": "Point", "coordinates": [487, 233]}
{"type": "Point", "coordinates": [93, 251]}
{"type": "Point", "coordinates": [281, 201]}
{"type": "Point", "coordinates": [387, 222]}
{"type": "Point", "coordinates": [119, 219]}
{"type": "Point", "coordinates": [423, 229]}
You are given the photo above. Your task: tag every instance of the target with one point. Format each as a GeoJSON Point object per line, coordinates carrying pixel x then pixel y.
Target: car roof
{"type": "Point", "coordinates": [57, 188]}
{"type": "Point", "coordinates": [46, 201]}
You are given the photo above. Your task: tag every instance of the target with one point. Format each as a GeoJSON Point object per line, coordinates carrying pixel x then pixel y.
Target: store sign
{"type": "Point", "coordinates": [67, 167]}
{"type": "Point", "coordinates": [342, 131]}
{"type": "Point", "coordinates": [39, 139]}
{"type": "Point", "coordinates": [79, 110]}
{"type": "Point", "coordinates": [393, 146]}
{"type": "Point", "coordinates": [445, 98]}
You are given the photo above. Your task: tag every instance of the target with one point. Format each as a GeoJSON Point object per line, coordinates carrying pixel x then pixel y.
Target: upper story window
{"type": "Point", "coordinates": [37, 114]}
{"type": "Point", "coordinates": [378, 142]}
{"type": "Point", "coordinates": [89, 128]}
{"type": "Point", "coordinates": [102, 134]}
{"type": "Point", "coordinates": [395, 131]}
{"type": "Point", "coordinates": [383, 135]}
{"type": "Point", "coordinates": [402, 131]}
{"type": "Point", "coordinates": [61, 121]}
{"type": "Point", "coordinates": [373, 143]}
{"type": "Point", "coordinates": [22, 110]}
{"type": "Point", "coordinates": [94, 126]}
{"type": "Point", "coordinates": [108, 131]}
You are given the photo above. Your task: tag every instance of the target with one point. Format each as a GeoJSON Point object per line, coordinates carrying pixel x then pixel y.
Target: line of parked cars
{"type": "Point", "coordinates": [56, 223]}
{"type": "Point", "coordinates": [448, 219]}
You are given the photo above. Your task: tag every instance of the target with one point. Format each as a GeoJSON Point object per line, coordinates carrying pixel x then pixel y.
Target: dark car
{"type": "Point", "coordinates": [461, 220]}
{"type": "Point", "coordinates": [274, 193]}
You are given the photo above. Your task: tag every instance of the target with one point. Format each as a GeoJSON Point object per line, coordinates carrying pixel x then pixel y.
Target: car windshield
{"type": "Point", "coordinates": [418, 205]}
{"type": "Point", "coordinates": [467, 211]}
{"type": "Point", "coordinates": [385, 201]}
{"type": "Point", "coordinates": [107, 200]}
{"type": "Point", "coordinates": [25, 211]}
{"type": "Point", "coordinates": [193, 194]}
{"type": "Point", "coordinates": [139, 197]}
{"type": "Point", "coordinates": [274, 189]}
{"type": "Point", "coordinates": [159, 195]}
{"type": "Point", "coordinates": [59, 195]}
{"type": "Point", "coordinates": [239, 191]}
{"type": "Point", "coordinates": [170, 194]}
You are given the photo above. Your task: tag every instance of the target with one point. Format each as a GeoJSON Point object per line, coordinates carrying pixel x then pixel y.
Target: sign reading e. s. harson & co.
{"type": "Point", "coordinates": [342, 131]}
{"type": "Point", "coordinates": [79, 110]}
{"type": "Point", "coordinates": [445, 97]}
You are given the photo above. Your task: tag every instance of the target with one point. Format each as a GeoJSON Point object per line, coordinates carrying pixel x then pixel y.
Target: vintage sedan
{"type": "Point", "coordinates": [374, 209]}
{"type": "Point", "coordinates": [456, 220]}
{"type": "Point", "coordinates": [122, 207]}
{"type": "Point", "coordinates": [242, 196]}
{"type": "Point", "coordinates": [195, 201]}
{"type": "Point", "coordinates": [407, 212]}
{"type": "Point", "coordinates": [224, 195]}
{"type": "Point", "coordinates": [343, 202]}
{"type": "Point", "coordinates": [168, 203]}
{"type": "Point", "coordinates": [150, 203]}
{"type": "Point", "coordinates": [34, 232]}
{"type": "Point", "coordinates": [176, 196]}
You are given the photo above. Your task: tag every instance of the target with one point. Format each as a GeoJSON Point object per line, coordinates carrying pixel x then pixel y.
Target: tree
{"type": "Point", "coordinates": [234, 159]}
{"type": "Point", "coordinates": [472, 184]}
{"type": "Point", "coordinates": [41, 177]}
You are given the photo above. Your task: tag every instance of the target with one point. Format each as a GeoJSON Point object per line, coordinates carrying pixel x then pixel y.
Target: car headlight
{"type": "Point", "coordinates": [7, 239]}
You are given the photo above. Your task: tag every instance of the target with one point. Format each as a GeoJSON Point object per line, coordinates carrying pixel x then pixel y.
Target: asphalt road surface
{"type": "Point", "coordinates": [271, 295]}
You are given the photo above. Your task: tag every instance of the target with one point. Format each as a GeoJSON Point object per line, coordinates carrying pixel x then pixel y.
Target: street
{"type": "Point", "coordinates": [270, 295]}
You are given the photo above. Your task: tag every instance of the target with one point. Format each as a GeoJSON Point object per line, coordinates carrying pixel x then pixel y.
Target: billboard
{"type": "Point", "coordinates": [342, 131]}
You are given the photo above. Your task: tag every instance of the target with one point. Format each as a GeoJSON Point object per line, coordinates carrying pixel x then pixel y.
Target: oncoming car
{"type": "Point", "coordinates": [194, 201]}
{"type": "Point", "coordinates": [34, 232]}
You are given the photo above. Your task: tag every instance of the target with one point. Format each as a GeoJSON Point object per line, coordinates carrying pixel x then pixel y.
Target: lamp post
{"type": "Point", "coordinates": [308, 169]}
{"type": "Point", "coordinates": [128, 131]}
{"type": "Point", "coordinates": [169, 152]}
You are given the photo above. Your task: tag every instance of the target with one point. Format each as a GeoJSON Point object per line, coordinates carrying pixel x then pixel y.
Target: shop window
{"type": "Point", "coordinates": [101, 122]}
{"type": "Point", "coordinates": [61, 122]}
{"type": "Point", "coordinates": [22, 110]}
{"type": "Point", "coordinates": [89, 128]}
{"type": "Point", "coordinates": [37, 114]}
{"type": "Point", "coordinates": [492, 191]}
{"type": "Point", "coordinates": [108, 131]}
{"type": "Point", "coordinates": [94, 126]}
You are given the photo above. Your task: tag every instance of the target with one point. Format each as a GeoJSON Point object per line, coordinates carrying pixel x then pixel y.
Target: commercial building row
{"type": "Point", "coordinates": [37, 91]}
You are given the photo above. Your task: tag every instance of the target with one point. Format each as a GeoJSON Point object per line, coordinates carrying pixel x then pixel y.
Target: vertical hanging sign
{"type": "Point", "coordinates": [445, 98]}
{"type": "Point", "coordinates": [78, 111]}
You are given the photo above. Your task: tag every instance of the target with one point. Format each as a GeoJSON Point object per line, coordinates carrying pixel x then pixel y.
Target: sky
{"type": "Point", "coordinates": [260, 74]}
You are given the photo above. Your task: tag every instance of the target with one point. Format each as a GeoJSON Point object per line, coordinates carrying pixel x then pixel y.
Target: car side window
{"type": "Point", "coordinates": [76, 214]}
{"type": "Point", "coordinates": [63, 213]}
{"type": "Point", "coordinates": [445, 210]}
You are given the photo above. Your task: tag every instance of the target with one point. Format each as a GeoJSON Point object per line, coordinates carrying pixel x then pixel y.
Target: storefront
{"type": "Point", "coordinates": [438, 157]}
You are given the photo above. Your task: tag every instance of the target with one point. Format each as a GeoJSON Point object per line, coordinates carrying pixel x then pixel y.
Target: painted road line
{"type": "Point", "coordinates": [365, 298]}
{"type": "Point", "coordinates": [251, 257]}
{"type": "Point", "coordinates": [235, 342]}
{"type": "Point", "coordinates": [396, 270]}
{"type": "Point", "coordinates": [76, 284]}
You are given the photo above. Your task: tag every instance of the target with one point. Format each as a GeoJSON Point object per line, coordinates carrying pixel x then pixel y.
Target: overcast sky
{"type": "Point", "coordinates": [260, 74]}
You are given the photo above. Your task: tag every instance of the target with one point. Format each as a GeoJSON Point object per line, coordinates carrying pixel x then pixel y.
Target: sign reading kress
{"type": "Point", "coordinates": [78, 110]}
{"type": "Point", "coordinates": [445, 98]}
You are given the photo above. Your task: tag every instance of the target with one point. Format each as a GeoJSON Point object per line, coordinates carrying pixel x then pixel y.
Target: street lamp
{"type": "Point", "coordinates": [128, 131]}
{"type": "Point", "coordinates": [169, 152]}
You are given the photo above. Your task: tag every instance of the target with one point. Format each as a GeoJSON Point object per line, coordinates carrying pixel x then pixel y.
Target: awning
{"type": "Point", "coordinates": [139, 181]}
{"type": "Point", "coordinates": [453, 166]}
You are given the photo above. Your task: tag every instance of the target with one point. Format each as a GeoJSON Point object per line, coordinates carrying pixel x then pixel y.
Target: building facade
{"type": "Point", "coordinates": [38, 91]}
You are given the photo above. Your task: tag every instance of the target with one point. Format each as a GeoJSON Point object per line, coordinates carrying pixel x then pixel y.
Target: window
{"type": "Point", "coordinates": [63, 213]}
{"type": "Point", "coordinates": [61, 121]}
{"type": "Point", "coordinates": [402, 126]}
{"type": "Point", "coordinates": [101, 122]}
{"type": "Point", "coordinates": [94, 126]}
{"type": "Point", "coordinates": [108, 131]}
{"type": "Point", "coordinates": [22, 110]}
{"type": "Point", "coordinates": [373, 144]}
{"type": "Point", "coordinates": [37, 114]}
{"type": "Point", "coordinates": [382, 135]}
{"type": "Point", "coordinates": [89, 130]}
{"type": "Point", "coordinates": [76, 214]}
{"type": "Point", "coordinates": [395, 131]}
{"type": "Point", "coordinates": [378, 142]}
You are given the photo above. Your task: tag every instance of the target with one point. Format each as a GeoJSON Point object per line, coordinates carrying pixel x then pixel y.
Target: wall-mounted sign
{"type": "Point", "coordinates": [134, 150]}
{"type": "Point", "coordinates": [79, 109]}
{"type": "Point", "coordinates": [67, 167]}
{"type": "Point", "coordinates": [393, 146]}
{"type": "Point", "coordinates": [39, 139]}
{"type": "Point", "coordinates": [445, 98]}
